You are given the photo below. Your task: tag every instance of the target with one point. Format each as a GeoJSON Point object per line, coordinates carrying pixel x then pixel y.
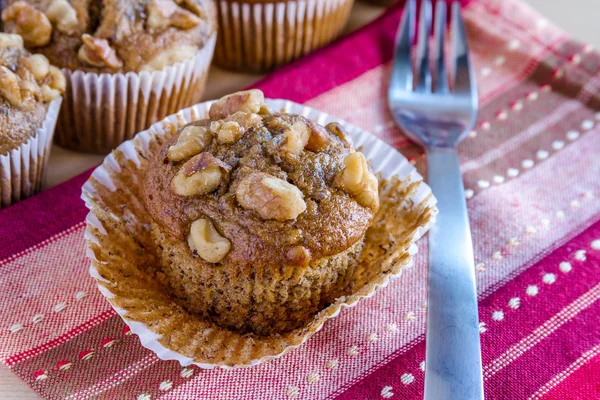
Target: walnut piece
{"type": "Point", "coordinates": [98, 53]}
{"type": "Point", "coordinates": [205, 241]}
{"type": "Point", "coordinates": [25, 20]}
{"type": "Point", "coordinates": [62, 14]}
{"type": "Point", "coordinates": [338, 130]}
{"type": "Point", "coordinates": [191, 141]}
{"type": "Point", "coordinates": [165, 13]}
{"type": "Point", "coordinates": [249, 101]}
{"type": "Point", "coordinates": [200, 175]}
{"type": "Point", "coordinates": [304, 135]}
{"type": "Point", "coordinates": [38, 65]}
{"type": "Point", "coordinates": [169, 57]}
{"type": "Point", "coordinates": [229, 132]}
{"type": "Point", "coordinates": [357, 180]}
{"type": "Point", "coordinates": [10, 40]}
{"type": "Point", "coordinates": [9, 86]}
{"type": "Point", "coordinates": [270, 197]}
{"type": "Point", "coordinates": [298, 255]}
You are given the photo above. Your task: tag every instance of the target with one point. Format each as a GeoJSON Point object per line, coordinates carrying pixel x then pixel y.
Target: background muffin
{"type": "Point", "coordinates": [28, 86]}
{"type": "Point", "coordinates": [260, 35]}
{"type": "Point", "coordinates": [259, 217]}
{"type": "Point", "coordinates": [135, 41]}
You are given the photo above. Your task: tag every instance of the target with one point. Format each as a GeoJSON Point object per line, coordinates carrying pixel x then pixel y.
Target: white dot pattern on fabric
{"type": "Point", "coordinates": [530, 229]}
{"type": "Point", "coordinates": [486, 125]}
{"type": "Point", "coordinates": [545, 221]}
{"type": "Point", "coordinates": [424, 304]}
{"type": "Point", "coordinates": [575, 204]}
{"type": "Point", "coordinates": [410, 316]}
{"type": "Point", "coordinates": [292, 392]}
{"type": "Point", "coordinates": [391, 328]}
{"type": "Point", "coordinates": [498, 315]}
{"type": "Point", "coordinates": [15, 328]}
{"type": "Point", "coordinates": [144, 396]}
{"type": "Point", "coordinates": [485, 71]}
{"type": "Point", "coordinates": [332, 364]}
{"type": "Point", "coordinates": [407, 378]}
{"type": "Point", "coordinates": [59, 307]}
{"type": "Point", "coordinates": [37, 318]}
{"type": "Point", "coordinates": [352, 351]}
{"type": "Point", "coordinates": [500, 60]}
{"type": "Point", "coordinates": [472, 134]}
{"type": "Point", "coordinates": [483, 184]}
{"type": "Point", "coordinates": [313, 377]}
{"type": "Point", "coordinates": [541, 23]}
{"type": "Point", "coordinates": [565, 267]}
{"type": "Point", "coordinates": [572, 135]}
{"type": "Point", "coordinates": [165, 385]}
{"type": "Point", "coordinates": [502, 115]}
{"type": "Point", "coordinates": [497, 255]}
{"type": "Point", "coordinates": [588, 195]}
{"type": "Point", "coordinates": [587, 124]}
{"type": "Point", "coordinates": [597, 115]}
{"type": "Point", "coordinates": [533, 96]}
{"type": "Point", "coordinates": [498, 179]}
{"type": "Point", "coordinates": [80, 295]}
{"type": "Point", "coordinates": [549, 279]}
{"type": "Point", "coordinates": [512, 172]}
{"type": "Point", "coordinates": [482, 327]}
{"type": "Point", "coordinates": [480, 267]}
{"type": "Point", "coordinates": [595, 244]}
{"type": "Point", "coordinates": [187, 373]}
{"type": "Point", "coordinates": [422, 366]}
{"type": "Point", "coordinates": [386, 392]}
{"type": "Point", "coordinates": [469, 193]}
{"type": "Point", "coordinates": [514, 242]}
{"type": "Point", "coordinates": [542, 154]}
{"type": "Point", "coordinates": [546, 88]}
{"type": "Point", "coordinates": [372, 338]}
{"type": "Point", "coordinates": [517, 105]}
{"type": "Point", "coordinates": [558, 144]}
{"type": "Point", "coordinates": [42, 376]}
{"type": "Point", "coordinates": [580, 255]}
{"type": "Point", "coordinates": [575, 59]}
{"type": "Point", "coordinates": [532, 290]}
{"type": "Point", "coordinates": [560, 214]}
{"type": "Point", "coordinates": [588, 48]}
{"type": "Point", "coordinates": [514, 303]}
{"type": "Point", "coordinates": [514, 44]}
{"type": "Point", "coordinates": [527, 163]}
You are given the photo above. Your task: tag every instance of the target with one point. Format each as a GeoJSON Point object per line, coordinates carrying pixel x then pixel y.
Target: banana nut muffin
{"type": "Point", "coordinates": [112, 35]}
{"type": "Point", "coordinates": [259, 217]}
{"type": "Point", "coordinates": [28, 83]}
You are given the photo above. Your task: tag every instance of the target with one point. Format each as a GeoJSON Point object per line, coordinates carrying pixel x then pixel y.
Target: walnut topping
{"type": "Point", "coordinates": [169, 57]}
{"type": "Point", "coordinates": [38, 65]}
{"type": "Point", "coordinates": [165, 13]}
{"type": "Point", "coordinates": [249, 101]}
{"type": "Point", "coordinates": [98, 53]}
{"type": "Point", "coordinates": [357, 180]}
{"type": "Point", "coordinates": [205, 241]}
{"type": "Point", "coordinates": [270, 197]}
{"type": "Point", "coordinates": [24, 19]}
{"type": "Point", "coordinates": [56, 79]}
{"type": "Point", "coordinates": [229, 132]}
{"type": "Point", "coordinates": [338, 130]}
{"type": "Point", "coordinates": [245, 120]}
{"type": "Point", "coordinates": [200, 175]}
{"type": "Point", "coordinates": [304, 135]}
{"type": "Point", "coordinates": [10, 40]}
{"type": "Point", "coordinates": [298, 255]}
{"type": "Point", "coordinates": [9, 86]}
{"type": "Point", "coordinates": [191, 141]}
{"type": "Point", "coordinates": [62, 14]}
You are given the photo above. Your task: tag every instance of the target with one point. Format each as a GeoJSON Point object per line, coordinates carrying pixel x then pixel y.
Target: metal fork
{"type": "Point", "coordinates": [438, 115]}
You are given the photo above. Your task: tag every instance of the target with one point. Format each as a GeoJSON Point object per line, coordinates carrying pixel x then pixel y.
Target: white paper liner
{"type": "Point", "coordinates": [259, 36]}
{"type": "Point", "coordinates": [384, 159]}
{"type": "Point", "coordinates": [22, 170]}
{"type": "Point", "coordinates": [100, 111]}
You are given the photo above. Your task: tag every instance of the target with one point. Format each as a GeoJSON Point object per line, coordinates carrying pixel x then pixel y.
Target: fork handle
{"type": "Point", "coordinates": [453, 353]}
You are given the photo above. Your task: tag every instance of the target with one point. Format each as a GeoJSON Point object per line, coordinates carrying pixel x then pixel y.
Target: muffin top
{"type": "Point", "coordinates": [112, 35]}
{"type": "Point", "coordinates": [28, 83]}
{"type": "Point", "coordinates": [249, 185]}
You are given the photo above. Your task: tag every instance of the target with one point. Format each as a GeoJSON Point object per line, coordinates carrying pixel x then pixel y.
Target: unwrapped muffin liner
{"type": "Point", "coordinates": [261, 35]}
{"type": "Point", "coordinates": [22, 170]}
{"type": "Point", "coordinates": [100, 111]}
{"type": "Point", "coordinates": [119, 246]}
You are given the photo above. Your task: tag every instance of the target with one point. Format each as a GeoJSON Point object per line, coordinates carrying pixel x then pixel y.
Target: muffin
{"type": "Point", "coordinates": [128, 63]}
{"type": "Point", "coordinates": [259, 217]}
{"type": "Point", "coordinates": [30, 90]}
{"type": "Point", "coordinates": [260, 35]}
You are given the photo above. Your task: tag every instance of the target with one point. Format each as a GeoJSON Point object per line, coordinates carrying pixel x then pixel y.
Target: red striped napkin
{"type": "Point", "coordinates": [531, 170]}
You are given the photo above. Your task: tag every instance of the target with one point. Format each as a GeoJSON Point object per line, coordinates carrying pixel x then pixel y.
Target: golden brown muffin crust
{"type": "Point", "coordinates": [132, 35]}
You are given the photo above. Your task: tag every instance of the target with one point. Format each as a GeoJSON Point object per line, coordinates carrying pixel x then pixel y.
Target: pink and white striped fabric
{"type": "Point", "coordinates": [531, 168]}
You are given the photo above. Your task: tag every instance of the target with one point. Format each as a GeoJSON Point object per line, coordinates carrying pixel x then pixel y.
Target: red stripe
{"type": "Point", "coordinates": [500, 335]}
{"type": "Point", "coordinates": [65, 337]}
{"type": "Point", "coordinates": [584, 383]}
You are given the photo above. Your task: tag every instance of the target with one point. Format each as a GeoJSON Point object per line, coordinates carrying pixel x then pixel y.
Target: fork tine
{"type": "Point", "coordinates": [402, 75]}
{"type": "Point", "coordinates": [464, 78]}
{"type": "Point", "coordinates": [424, 77]}
{"type": "Point", "coordinates": [441, 76]}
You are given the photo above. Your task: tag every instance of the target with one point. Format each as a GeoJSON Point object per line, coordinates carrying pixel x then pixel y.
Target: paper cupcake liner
{"type": "Point", "coordinates": [100, 111]}
{"type": "Point", "coordinates": [22, 170]}
{"type": "Point", "coordinates": [119, 245]}
{"type": "Point", "coordinates": [259, 36]}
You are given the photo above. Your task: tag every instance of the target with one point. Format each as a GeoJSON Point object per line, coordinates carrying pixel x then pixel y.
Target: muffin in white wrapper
{"type": "Point", "coordinates": [100, 111]}
{"type": "Point", "coordinates": [22, 170]}
{"type": "Point", "coordinates": [123, 260]}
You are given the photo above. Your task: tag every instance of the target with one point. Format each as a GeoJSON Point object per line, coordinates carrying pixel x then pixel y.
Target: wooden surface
{"type": "Point", "coordinates": [579, 17]}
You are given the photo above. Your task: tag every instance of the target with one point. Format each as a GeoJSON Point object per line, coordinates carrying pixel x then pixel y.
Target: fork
{"type": "Point", "coordinates": [437, 111]}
